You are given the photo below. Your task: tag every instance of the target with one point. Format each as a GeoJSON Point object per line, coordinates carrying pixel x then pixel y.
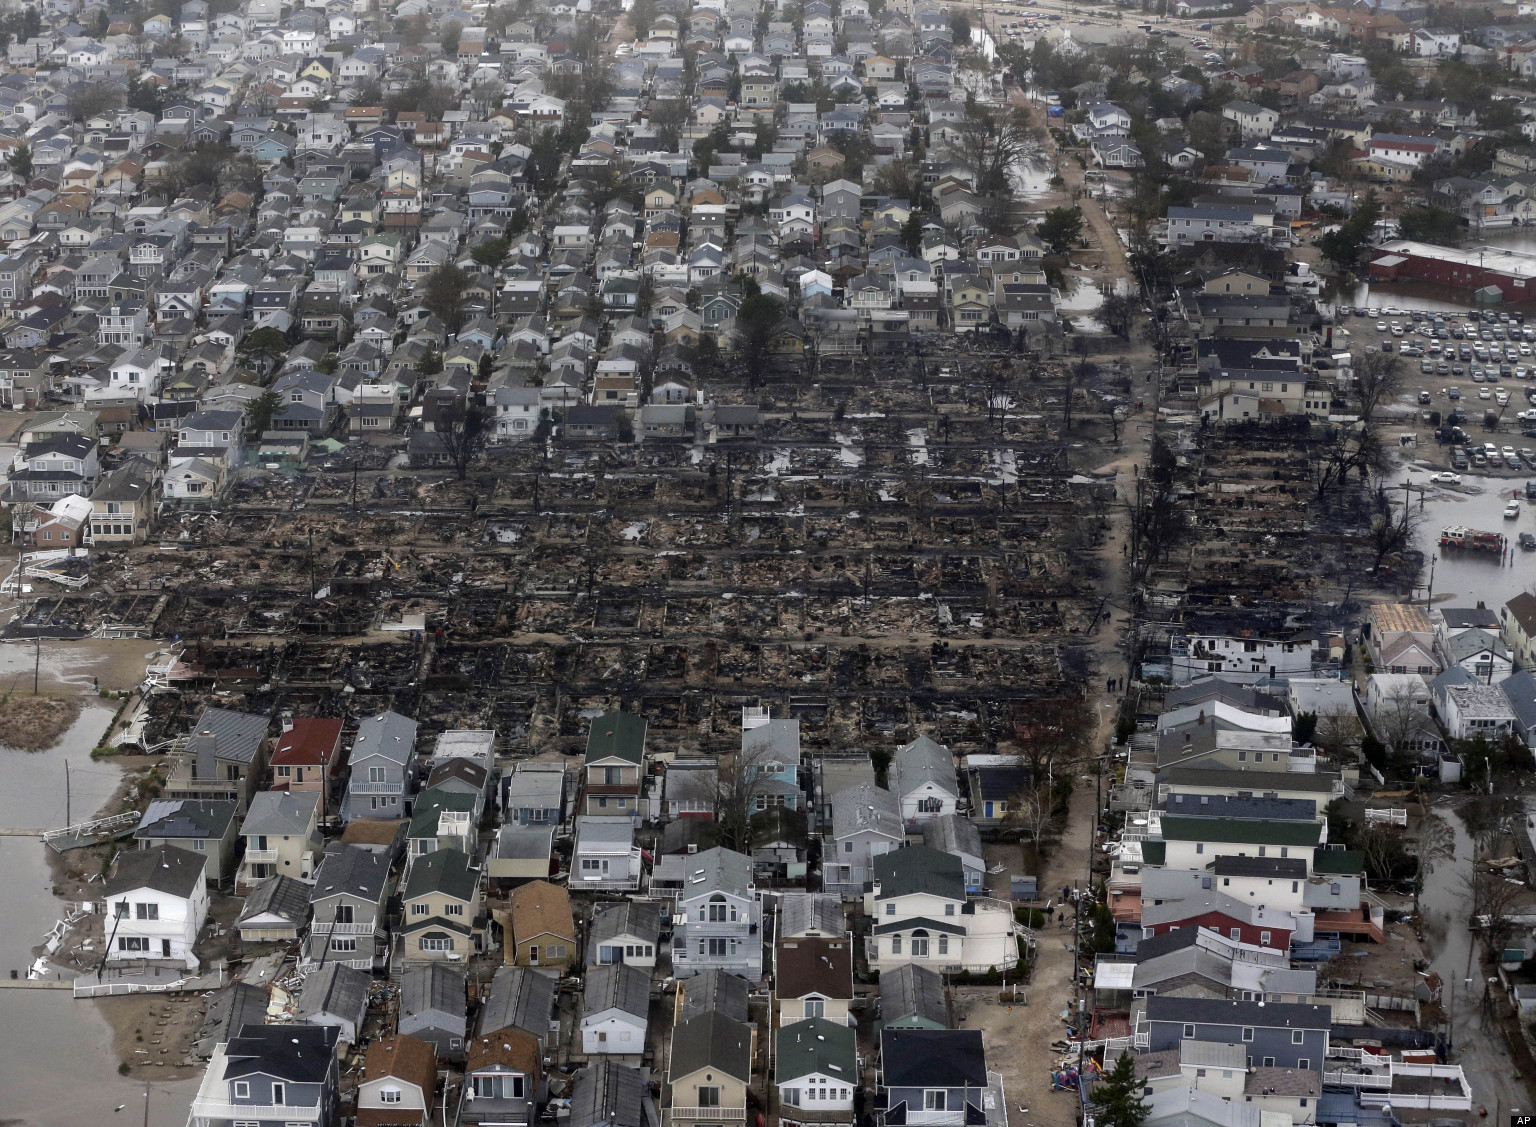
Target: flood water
{"type": "Point", "coordinates": [1462, 578]}
{"type": "Point", "coordinates": [57, 1068]}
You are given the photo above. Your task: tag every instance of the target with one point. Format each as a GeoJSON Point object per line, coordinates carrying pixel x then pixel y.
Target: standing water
{"type": "Point", "coordinates": [57, 1067]}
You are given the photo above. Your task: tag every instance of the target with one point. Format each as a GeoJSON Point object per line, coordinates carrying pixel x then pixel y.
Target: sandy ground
{"type": "Point", "coordinates": [35, 723]}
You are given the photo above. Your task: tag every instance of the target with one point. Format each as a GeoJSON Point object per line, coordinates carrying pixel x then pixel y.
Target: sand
{"type": "Point", "coordinates": [35, 723]}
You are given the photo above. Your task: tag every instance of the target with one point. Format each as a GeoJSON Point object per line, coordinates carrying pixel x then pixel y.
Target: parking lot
{"type": "Point", "coordinates": [1463, 370]}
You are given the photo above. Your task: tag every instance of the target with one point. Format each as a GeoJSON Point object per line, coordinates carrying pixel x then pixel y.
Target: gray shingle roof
{"type": "Point", "coordinates": [1226, 1011]}
{"type": "Point", "coordinates": [715, 1041]}
{"type": "Point", "coordinates": [279, 896]}
{"type": "Point", "coordinates": [519, 999]}
{"type": "Point", "coordinates": [920, 869]}
{"type": "Point", "coordinates": [608, 1095]}
{"type": "Point", "coordinates": [923, 761]}
{"type": "Point", "coordinates": [165, 868]}
{"type": "Point", "coordinates": [913, 995]}
{"type": "Point", "coordinates": [236, 736]}
{"type": "Point", "coordinates": [811, 913]}
{"type": "Point", "coordinates": [866, 807]}
{"type": "Point", "coordinates": [388, 734]}
{"type": "Point", "coordinates": [717, 870]}
{"type": "Point", "coordinates": [616, 986]}
{"type": "Point", "coordinates": [354, 870]}
{"type": "Point", "coordinates": [446, 871]}
{"type": "Point", "coordinates": [281, 813]}
{"type": "Point", "coordinates": [337, 989]}
{"type": "Point", "coordinates": [713, 991]}
{"type": "Point", "coordinates": [435, 988]}
{"type": "Point", "coordinates": [628, 917]}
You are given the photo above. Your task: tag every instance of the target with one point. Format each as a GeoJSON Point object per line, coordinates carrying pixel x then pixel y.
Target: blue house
{"type": "Point", "coordinates": [935, 1076]}
{"type": "Point", "coordinates": [1273, 1034]}
{"type": "Point", "coordinates": [286, 1073]}
{"type": "Point", "coordinates": [770, 752]}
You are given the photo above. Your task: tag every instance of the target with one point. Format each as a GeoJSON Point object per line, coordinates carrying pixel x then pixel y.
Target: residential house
{"type": "Point", "coordinates": [938, 1076]}
{"type": "Point", "coordinates": [913, 997]}
{"type": "Point", "coordinates": [813, 979]}
{"type": "Point", "coordinates": [380, 779]}
{"type": "Point", "coordinates": [432, 1008]}
{"type": "Point", "coordinates": [398, 1084]}
{"type": "Point", "coordinates": [206, 827]}
{"type": "Point", "coordinates": [542, 933]}
{"type": "Point", "coordinates": [615, 765]}
{"type": "Point", "coordinates": [276, 910]}
{"type": "Point", "coordinates": [866, 822]}
{"type": "Point", "coordinates": [348, 903]}
{"type": "Point", "coordinates": [923, 780]}
{"type": "Point", "coordinates": [282, 1073]}
{"type": "Point", "coordinates": [816, 1069]}
{"type": "Point", "coordinates": [615, 1008]}
{"type": "Point", "coordinates": [441, 906]}
{"type": "Point", "coordinates": [922, 915]}
{"type": "Point", "coordinates": [335, 995]}
{"type": "Point", "coordinates": [157, 902]}
{"type": "Point", "coordinates": [503, 1080]}
{"type": "Point", "coordinates": [305, 754]}
{"type": "Point", "coordinates": [709, 1070]}
{"type": "Point", "coordinates": [626, 932]}
{"type": "Point", "coordinates": [605, 856]}
{"type": "Point", "coordinates": [223, 758]}
{"type": "Point", "coordinates": [282, 837]}
{"type": "Point", "coordinates": [718, 916]}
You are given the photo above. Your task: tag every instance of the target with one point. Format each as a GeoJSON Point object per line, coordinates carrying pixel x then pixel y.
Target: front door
{"type": "Point", "coordinates": [165, 948]}
{"type": "Point", "coordinates": [533, 956]}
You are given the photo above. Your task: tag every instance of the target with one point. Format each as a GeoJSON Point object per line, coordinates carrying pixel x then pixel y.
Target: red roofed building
{"type": "Point", "coordinates": [306, 754]}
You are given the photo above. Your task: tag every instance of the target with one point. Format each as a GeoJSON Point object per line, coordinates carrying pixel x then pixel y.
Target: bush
{"type": "Point", "coordinates": [1125, 728]}
{"type": "Point", "coordinates": [122, 1069]}
{"type": "Point", "coordinates": [1031, 917]}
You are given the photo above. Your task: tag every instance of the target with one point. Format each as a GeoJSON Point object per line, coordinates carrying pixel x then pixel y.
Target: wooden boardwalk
{"type": "Point", "coordinates": [12, 832]}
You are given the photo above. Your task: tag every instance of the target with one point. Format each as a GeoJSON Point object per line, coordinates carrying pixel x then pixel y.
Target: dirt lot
{"type": "Point", "coordinates": [154, 1032]}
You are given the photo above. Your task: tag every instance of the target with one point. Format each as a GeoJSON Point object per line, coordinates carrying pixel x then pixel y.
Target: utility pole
{"type": "Point", "coordinates": [146, 1103]}
{"type": "Point", "coordinates": [68, 821]}
{"type": "Point", "coordinates": [37, 661]}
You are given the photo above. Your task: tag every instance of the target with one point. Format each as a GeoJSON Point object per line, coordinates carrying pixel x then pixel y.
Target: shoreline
{"type": "Point", "coordinates": [152, 1033]}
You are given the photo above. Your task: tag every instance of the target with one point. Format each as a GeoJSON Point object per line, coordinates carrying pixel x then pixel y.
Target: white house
{"type": "Point", "coordinates": [718, 916]}
{"type": "Point", "coordinates": [923, 780]}
{"type": "Point", "coordinates": [606, 856]}
{"type": "Point", "coordinates": [615, 1005]}
{"type": "Point", "coordinates": [157, 902]}
{"type": "Point", "coordinates": [1434, 42]}
{"type": "Point", "coordinates": [816, 1068]}
{"type": "Point", "coordinates": [922, 916]}
{"type": "Point", "coordinates": [1253, 120]}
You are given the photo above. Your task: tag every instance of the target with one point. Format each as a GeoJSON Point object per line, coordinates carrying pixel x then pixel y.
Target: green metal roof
{"type": "Point", "coordinates": [1344, 862]}
{"type": "Point", "coordinates": [617, 735]}
{"type": "Point", "coordinates": [816, 1046]}
{"type": "Point", "coordinates": [1241, 830]}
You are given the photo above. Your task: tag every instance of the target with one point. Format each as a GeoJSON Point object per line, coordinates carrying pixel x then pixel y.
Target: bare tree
{"type": "Point", "coordinates": [1398, 719]}
{"type": "Point", "coordinates": [462, 433]}
{"type": "Point", "coordinates": [1488, 817]}
{"type": "Point", "coordinates": [1490, 899]}
{"type": "Point", "coordinates": [731, 791]}
{"type": "Point", "coordinates": [1052, 732]}
{"type": "Point", "coordinates": [1429, 842]}
{"type": "Point", "coordinates": [1393, 527]}
{"type": "Point", "coordinates": [1358, 449]}
{"type": "Point", "coordinates": [1034, 813]}
{"type": "Point", "coordinates": [1337, 733]}
{"type": "Point", "coordinates": [1382, 845]}
{"type": "Point", "coordinates": [990, 142]}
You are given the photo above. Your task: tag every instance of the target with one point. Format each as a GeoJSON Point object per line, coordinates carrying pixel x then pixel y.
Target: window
{"type": "Point", "coordinates": [1297, 1037]}
{"type": "Point", "coordinates": [146, 911]}
{"type": "Point", "coordinates": [1247, 1033]}
{"type": "Point", "coordinates": [120, 909]}
{"type": "Point", "coordinates": [436, 941]}
{"type": "Point", "coordinates": [920, 946]}
{"type": "Point", "coordinates": [709, 1096]}
{"type": "Point", "coordinates": [943, 944]}
{"type": "Point", "coordinates": [791, 1096]}
{"type": "Point", "coordinates": [279, 1092]}
{"type": "Point", "coordinates": [453, 909]}
{"type": "Point", "coordinates": [717, 913]}
{"type": "Point", "coordinates": [242, 1089]}
{"type": "Point", "coordinates": [890, 909]}
{"type": "Point", "coordinates": [375, 774]}
{"type": "Point", "coordinates": [418, 909]}
{"type": "Point", "coordinates": [132, 943]}
{"type": "Point", "coordinates": [1235, 933]}
{"type": "Point", "coordinates": [895, 944]}
{"type": "Point", "coordinates": [935, 1099]}
{"type": "Point", "coordinates": [1189, 1029]}
{"type": "Point", "coordinates": [1264, 939]}
{"type": "Point", "coordinates": [389, 1095]}
{"type": "Point", "coordinates": [847, 848]}
{"type": "Point", "coordinates": [1269, 1062]}
{"type": "Point", "coordinates": [344, 943]}
{"type": "Point", "coordinates": [1199, 847]}
{"type": "Point", "coordinates": [343, 913]}
{"type": "Point", "coordinates": [717, 948]}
